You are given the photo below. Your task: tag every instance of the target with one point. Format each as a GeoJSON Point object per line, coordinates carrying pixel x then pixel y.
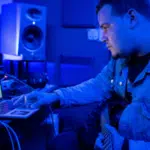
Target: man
{"type": "Point", "coordinates": [125, 30]}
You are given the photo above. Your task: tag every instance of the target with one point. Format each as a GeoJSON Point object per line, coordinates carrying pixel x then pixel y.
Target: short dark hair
{"type": "Point", "coordinates": [122, 6]}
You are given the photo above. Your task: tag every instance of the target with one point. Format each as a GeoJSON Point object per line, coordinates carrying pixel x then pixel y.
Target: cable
{"type": "Point", "coordinates": [13, 77]}
{"type": "Point", "coordinates": [52, 118]}
{"type": "Point", "coordinates": [9, 134]}
{"type": "Point", "coordinates": [50, 121]}
{"type": "Point", "coordinates": [14, 133]}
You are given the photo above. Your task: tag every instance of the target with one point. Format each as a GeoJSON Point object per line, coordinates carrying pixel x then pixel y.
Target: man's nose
{"type": "Point", "coordinates": [103, 37]}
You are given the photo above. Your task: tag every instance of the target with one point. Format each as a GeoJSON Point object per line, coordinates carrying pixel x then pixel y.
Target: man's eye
{"type": "Point", "coordinates": [105, 28]}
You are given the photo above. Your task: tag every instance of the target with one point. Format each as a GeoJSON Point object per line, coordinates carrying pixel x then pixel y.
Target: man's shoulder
{"type": "Point", "coordinates": [114, 65]}
{"type": "Point", "coordinates": [118, 61]}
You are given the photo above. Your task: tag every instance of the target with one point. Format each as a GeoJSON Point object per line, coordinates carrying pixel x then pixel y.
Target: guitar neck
{"type": "Point", "coordinates": [108, 141]}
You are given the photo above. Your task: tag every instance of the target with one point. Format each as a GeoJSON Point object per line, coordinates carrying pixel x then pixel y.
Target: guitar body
{"type": "Point", "coordinates": [104, 113]}
{"type": "Point", "coordinates": [110, 114]}
{"type": "Point", "coordinates": [105, 119]}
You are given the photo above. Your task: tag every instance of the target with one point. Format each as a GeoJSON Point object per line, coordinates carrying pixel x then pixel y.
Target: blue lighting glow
{"type": "Point", "coordinates": [33, 22]}
{"type": "Point", "coordinates": [12, 57]}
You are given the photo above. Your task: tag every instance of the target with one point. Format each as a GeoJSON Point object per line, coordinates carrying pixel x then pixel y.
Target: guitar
{"type": "Point", "coordinates": [108, 139]}
{"type": "Point", "coordinates": [114, 109]}
{"type": "Point", "coordinates": [103, 113]}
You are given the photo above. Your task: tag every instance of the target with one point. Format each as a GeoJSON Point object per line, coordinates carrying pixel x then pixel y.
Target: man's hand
{"type": "Point", "coordinates": [99, 142]}
{"type": "Point", "coordinates": [41, 98]}
{"type": "Point", "coordinates": [116, 139]}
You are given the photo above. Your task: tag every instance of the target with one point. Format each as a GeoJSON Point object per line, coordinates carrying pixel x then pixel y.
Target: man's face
{"type": "Point", "coordinates": [115, 32]}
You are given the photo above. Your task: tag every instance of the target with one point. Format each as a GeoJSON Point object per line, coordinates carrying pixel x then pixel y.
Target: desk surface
{"type": "Point", "coordinates": [31, 132]}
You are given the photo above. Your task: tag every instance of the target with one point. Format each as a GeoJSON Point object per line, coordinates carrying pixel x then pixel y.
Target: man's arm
{"type": "Point", "coordinates": [139, 145]}
{"type": "Point", "coordinates": [145, 121]}
{"type": "Point", "coordinates": [93, 90]}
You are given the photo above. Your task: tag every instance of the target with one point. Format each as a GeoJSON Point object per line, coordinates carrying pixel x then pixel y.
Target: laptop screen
{"type": "Point", "coordinates": [1, 95]}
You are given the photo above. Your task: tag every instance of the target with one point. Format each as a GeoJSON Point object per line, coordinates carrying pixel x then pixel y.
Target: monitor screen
{"type": "Point", "coordinates": [1, 95]}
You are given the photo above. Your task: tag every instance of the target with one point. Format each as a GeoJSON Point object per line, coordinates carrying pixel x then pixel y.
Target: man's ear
{"type": "Point", "coordinates": [131, 16]}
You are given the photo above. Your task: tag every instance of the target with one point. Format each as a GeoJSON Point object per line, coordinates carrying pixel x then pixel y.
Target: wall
{"type": "Point", "coordinates": [68, 22]}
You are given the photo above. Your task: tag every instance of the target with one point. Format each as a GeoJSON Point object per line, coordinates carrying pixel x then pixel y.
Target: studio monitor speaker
{"type": "Point", "coordinates": [23, 30]}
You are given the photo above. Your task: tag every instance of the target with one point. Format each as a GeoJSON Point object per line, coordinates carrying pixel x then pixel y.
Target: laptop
{"type": "Point", "coordinates": [10, 111]}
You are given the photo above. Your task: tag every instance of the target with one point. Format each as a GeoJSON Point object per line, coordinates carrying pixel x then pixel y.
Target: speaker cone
{"type": "Point", "coordinates": [34, 14]}
{"type": "Point", "coordinates": [32, 38]}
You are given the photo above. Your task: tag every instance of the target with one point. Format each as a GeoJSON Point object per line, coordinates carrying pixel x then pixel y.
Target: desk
{"type": "Point", "coordinates": [32, 132]}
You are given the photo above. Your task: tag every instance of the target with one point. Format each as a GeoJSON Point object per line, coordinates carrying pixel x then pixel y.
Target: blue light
{"type": "Point", "coordinates": [12, 57]}
{"type": "Point", "coordinates": [33, 22]}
